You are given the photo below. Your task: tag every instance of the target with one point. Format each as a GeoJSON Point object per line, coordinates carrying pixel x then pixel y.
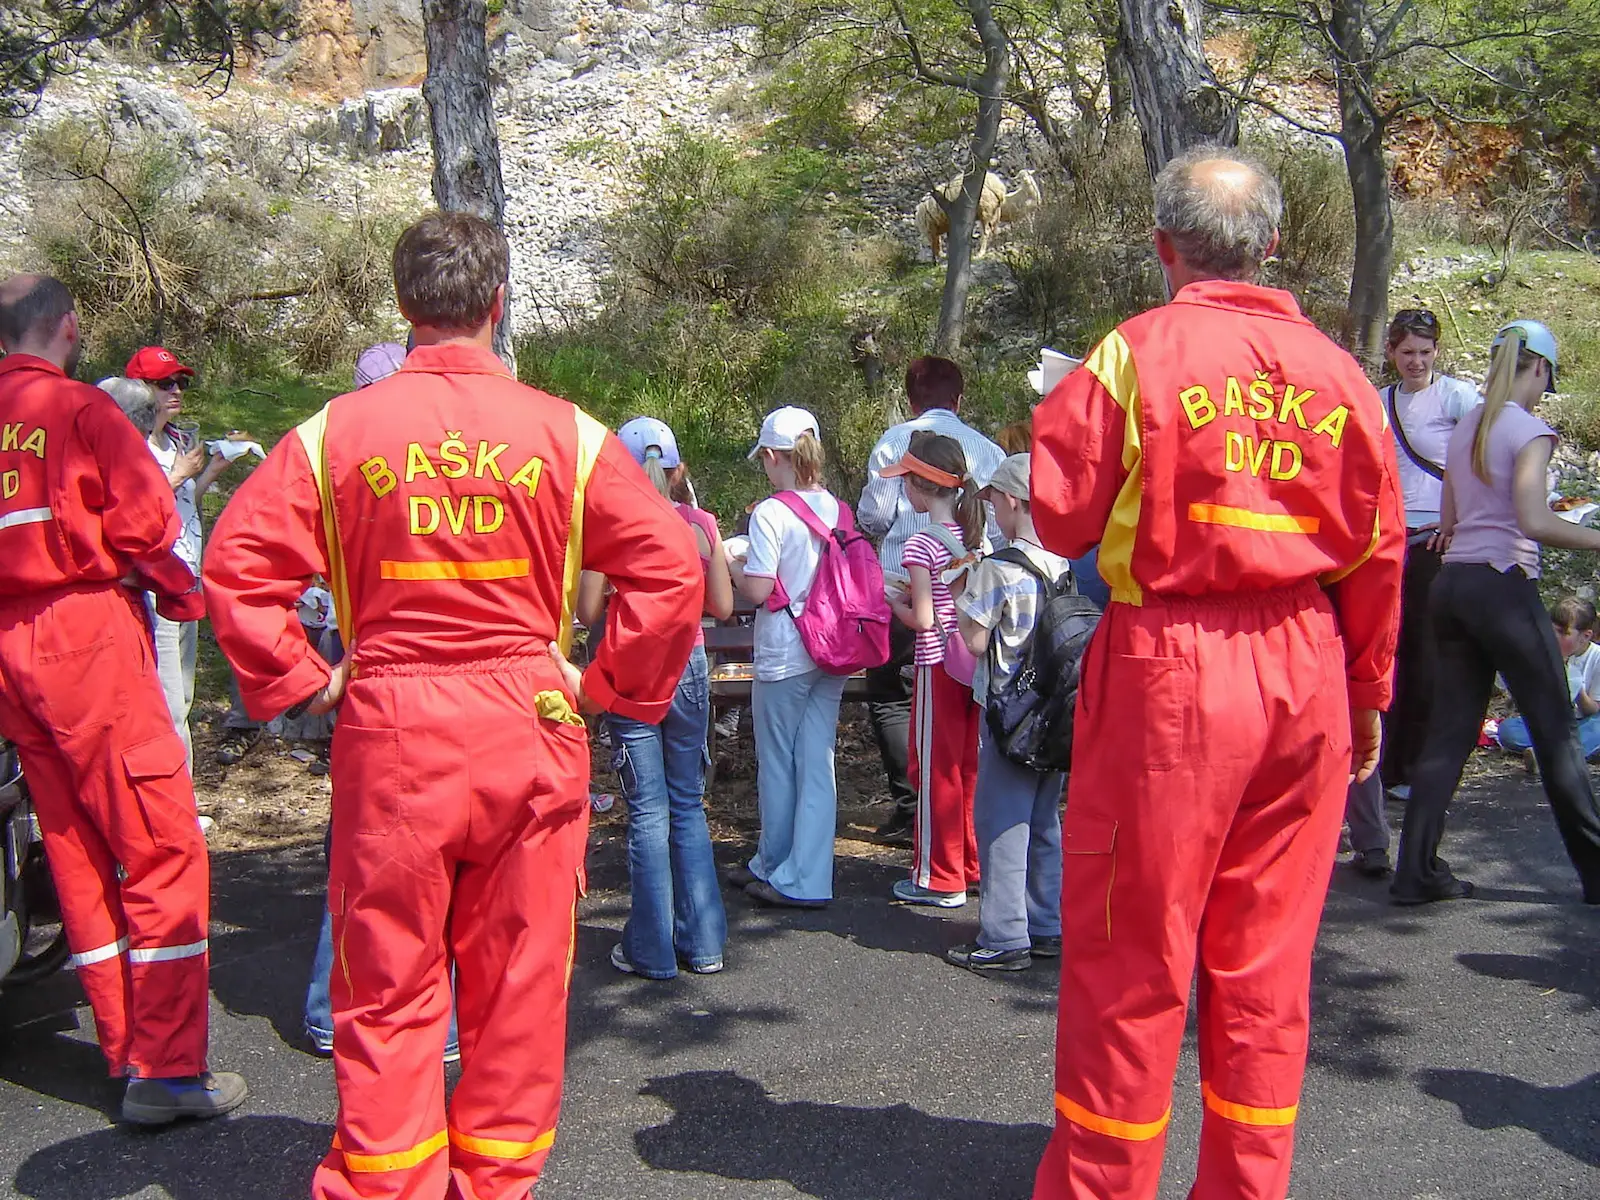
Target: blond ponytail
{"type": "Point", "coordinates": [656, 473]}
{"type": "Point", "coordinates": [806, 458]}
{"type": "Point", "coordinates": [1506, 361]}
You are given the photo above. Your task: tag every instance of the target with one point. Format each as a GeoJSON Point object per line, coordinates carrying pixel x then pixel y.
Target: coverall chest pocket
{"type": "Point", "coordinates": [1160, 700]}
{"type": "Point", "coordinates": [365, 770]}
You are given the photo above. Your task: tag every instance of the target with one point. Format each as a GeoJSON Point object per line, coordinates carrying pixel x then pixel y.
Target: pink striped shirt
{"type": "Point", "coordinates": [925, 550]}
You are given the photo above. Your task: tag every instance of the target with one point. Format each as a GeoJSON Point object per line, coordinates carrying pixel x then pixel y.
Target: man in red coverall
{"type": "Point", "coordinates": [83, 508]}
{"type": "Point", "coordinates": [1233, 466]}
{"type": "Point", "coordinates": [452, 510]}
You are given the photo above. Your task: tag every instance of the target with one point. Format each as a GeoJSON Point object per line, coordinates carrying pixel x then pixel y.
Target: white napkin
{"type": "Point", "coordinates": [232, 450]}
{"type": "Point", "coordinates": [736, 547]}
{"type": "Point", "coordinates": [1053, 367]}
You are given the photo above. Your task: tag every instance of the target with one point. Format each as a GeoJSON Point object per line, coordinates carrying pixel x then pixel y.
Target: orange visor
{"type": "Point", "coordinates": [910, 464]}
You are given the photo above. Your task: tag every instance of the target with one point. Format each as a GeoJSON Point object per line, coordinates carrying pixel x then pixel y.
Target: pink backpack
{"type": "Point", "coordinates": [845, 625]}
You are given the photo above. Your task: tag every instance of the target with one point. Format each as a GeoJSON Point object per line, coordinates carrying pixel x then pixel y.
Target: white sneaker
{"type": "Point", "coordinates": [908, 892]}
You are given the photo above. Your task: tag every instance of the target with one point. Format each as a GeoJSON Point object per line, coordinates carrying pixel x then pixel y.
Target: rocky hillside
{"type": "Point", "coordinates": [580, 83]}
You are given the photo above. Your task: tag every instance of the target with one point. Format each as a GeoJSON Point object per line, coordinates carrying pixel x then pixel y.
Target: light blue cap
{"type": "Point", "coordinates": [641, 433]}
{"type": "Point", "coordinates": [1537, 338]}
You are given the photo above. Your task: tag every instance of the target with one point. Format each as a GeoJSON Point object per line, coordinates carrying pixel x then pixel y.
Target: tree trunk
{"type": "Point", "coordinates": [466, 146]}
{"type": "Point", "coordinates": [1374, 258]}
{"type": "Point", "coordinates": [1361, 132]}
{"type": "Point", "coordinates": [1173, 90]}
{"type": "Point", "coordinates": [989, 88]}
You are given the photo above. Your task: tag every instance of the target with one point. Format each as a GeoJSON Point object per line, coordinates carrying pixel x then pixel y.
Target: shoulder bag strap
{"type": "Point", "coordinates": [1427, 466]}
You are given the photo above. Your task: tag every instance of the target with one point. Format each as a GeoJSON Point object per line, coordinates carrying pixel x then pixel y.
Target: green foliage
{"type": "Point", "coordinates": [1084, 262]}
{"type": "Point", "coordinates": [711, 226]}
{"type": "Point", "coordinates": [152, 253]}
{"type": "Point", "coordinates": [711, 352]}
{"type": "Point", "coordinates": [40, 41]}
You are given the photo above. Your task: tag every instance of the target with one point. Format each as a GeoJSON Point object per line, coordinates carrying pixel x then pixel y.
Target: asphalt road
{"type": "Point", "coordinates": [1453, 1058]}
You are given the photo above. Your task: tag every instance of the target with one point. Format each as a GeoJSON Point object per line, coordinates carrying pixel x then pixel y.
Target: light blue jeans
{"type": "Point", "coordinates": [677, 904]}
{"type": "Point", "coordinates": [319, 1001]}
{"type": "Point", "coordinates": [1016, 814]}
{"type": "Point", "coordinates": [1514, 735]}
{"type": "Point", "coordinates": [796, 721]}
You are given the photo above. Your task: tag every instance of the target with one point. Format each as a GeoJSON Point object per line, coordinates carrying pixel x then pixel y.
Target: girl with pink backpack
{"type": "Point", "coordinates": [794, 701]}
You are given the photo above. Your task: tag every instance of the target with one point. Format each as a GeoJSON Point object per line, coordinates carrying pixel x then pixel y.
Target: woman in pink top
{"type": "Point", "coordinates": [1494, 514]}
{"type": "Point", "coordinates": [676, 915]}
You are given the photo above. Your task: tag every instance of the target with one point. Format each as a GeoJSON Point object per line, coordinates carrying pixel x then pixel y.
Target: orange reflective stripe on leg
{"type": "Point", "coordinates": [499, 1147]}
{"type": "Point", "coordinates": [1128, 1131]}
{"type": "Point", "coordinates": [400, 1160]}
{"type": "Point", "coordinates": [1247, 1114]}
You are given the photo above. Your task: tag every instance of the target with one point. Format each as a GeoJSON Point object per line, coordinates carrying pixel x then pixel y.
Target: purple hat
{"type": "Point", "coordinates": [642, 434]}
{"type": "Point", "coordinates": [378, 362]}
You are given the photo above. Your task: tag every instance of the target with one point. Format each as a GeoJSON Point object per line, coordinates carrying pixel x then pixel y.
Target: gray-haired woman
{"type": "Point", "coordinates": [151, 410]}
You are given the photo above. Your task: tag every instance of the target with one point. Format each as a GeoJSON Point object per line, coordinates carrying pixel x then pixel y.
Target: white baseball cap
{"type": "Point", "coordinates": [783, 428]}
{"type": "Point", "coordinates": [641, 433]}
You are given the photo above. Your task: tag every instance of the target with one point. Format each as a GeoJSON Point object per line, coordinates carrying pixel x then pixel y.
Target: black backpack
{"type": "Point", "coordinates": [1030, 715]}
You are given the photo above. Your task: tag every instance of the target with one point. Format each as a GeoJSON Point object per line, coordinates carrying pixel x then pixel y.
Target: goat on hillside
{"type": "Point", "coordinates": [996, 206]}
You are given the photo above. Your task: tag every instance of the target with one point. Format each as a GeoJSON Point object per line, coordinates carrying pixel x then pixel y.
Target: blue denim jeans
{"type": "Point", "coordinates": [1514, 735]}
{"type": "Point", "coordinates": [319, 1003]}
{"type": "Point", "coordinates": [796, 723]}
{"type": "Point", "coordinates": [677, 909]}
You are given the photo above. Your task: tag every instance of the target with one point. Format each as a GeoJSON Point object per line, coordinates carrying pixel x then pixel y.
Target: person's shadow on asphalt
{"type": "Point", "coordinates": [728, 1126]}
{"type": "Point", "coordinates": [240, 1158]}
{"type": "Point", "coordinates": [1490, 1101]}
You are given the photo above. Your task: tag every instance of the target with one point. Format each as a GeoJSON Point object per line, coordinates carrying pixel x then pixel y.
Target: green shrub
{"type": "Point", "coordinates": [236, 276]}
{"type": "Point", "coordinates": [1084, 260]}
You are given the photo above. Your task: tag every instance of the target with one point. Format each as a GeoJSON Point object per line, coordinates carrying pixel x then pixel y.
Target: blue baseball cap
{"type": "Point", "coordinates": [1536, 338]}
{"type": "Point", "coordinates": [642, 433]}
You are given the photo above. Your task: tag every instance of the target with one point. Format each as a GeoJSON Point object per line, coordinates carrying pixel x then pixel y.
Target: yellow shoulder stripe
{"type": "Point", "coordinates": [313, 434]}
{"type": "Point", "coordinates": [591, 437]}
{"type": "Point", "coordinates": [1111, 362]}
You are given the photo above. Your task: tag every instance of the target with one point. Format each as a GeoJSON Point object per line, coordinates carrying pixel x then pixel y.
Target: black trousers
{"type": "Point", "coordinates": [889, 710]}
{"type": "Point", "coordinates": [1405, 728]}
{"type": "Point", "coordinates": [1487, 621]}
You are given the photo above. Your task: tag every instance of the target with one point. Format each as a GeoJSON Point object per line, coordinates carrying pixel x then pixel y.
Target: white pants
{"type": "Point", "coordinates": [175, 648]}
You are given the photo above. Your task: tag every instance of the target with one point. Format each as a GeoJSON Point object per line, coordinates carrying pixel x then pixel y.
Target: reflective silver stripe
{"type": "Point", "coordinates": [100, 953]}
{"type": "Point", "coordinates": [167, 953]}
{"type": "Point", "coordinates": [24, 516]}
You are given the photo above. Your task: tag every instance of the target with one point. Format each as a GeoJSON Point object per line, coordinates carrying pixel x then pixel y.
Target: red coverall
{"type": "Point", "coordinates": [82, 505]}
{"type": "Point", "coordinates": [1234, 467]}
{"type": "Point", "coordinates": [452, 508]}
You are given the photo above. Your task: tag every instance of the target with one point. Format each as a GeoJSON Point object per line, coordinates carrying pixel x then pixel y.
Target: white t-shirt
{"type": "Point", "coordinates": [1583, 673]}
{"type": "Point", "coordinates": [188, 545]}
{"type": "Point", "coordinates": [1429, 417]}
{"type": "Point", "coordinates": [783, 548]}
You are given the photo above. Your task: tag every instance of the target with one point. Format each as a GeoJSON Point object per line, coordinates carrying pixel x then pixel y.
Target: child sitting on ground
{"type": "Point", "coordinates": [1016, 811]}
{"type": "Point", "coordinates": [1574, 620]}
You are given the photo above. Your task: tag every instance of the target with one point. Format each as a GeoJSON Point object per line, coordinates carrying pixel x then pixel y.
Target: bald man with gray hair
{"type": "Point", "coordinates": [1232, 464]}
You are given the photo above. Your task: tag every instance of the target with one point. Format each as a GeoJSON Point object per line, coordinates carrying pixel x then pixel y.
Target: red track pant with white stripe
{"type": "Point", "coordinates": [80, 698]}
{"type": "Point", "coordinates": [1211, 754]}
{"type": "Point", "coordinates": [943, 768]}
{"type": "Point", "coordinates": [460, 819]}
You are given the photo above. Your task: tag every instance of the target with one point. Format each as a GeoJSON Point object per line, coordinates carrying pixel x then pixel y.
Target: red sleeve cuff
{"type": "Point", "coordinates": [1370, 695]}
{"type": "Point", "coordinates": [307, 678]}
{"type": "Point", "coordinates": [599, 690]}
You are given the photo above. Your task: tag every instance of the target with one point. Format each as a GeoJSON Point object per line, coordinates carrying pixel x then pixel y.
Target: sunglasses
{"type": "Point", "coordinates": [1411, 318]}
{"type": "Point", "coordinates": [175, 384]}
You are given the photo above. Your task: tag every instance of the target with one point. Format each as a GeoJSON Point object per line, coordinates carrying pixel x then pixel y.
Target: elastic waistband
{"type": "Point", "coordinates": [36, 600]}
{"type": "Point", "coordinates": [1307, 594]}
{"type": "Point", "coordinates": [505, 664]}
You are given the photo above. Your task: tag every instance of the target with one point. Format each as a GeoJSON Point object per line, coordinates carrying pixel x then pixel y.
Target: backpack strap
{"type": "Point", "coordinates": [808, 515]}
{"type": "Point", "coordinates": [1427, 466]}
{"type": "Point", "coordinates": [947, 539]}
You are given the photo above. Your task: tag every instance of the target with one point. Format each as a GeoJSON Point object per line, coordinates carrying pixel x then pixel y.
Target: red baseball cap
{"type": "Point", "coordinates": [155, 362]}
